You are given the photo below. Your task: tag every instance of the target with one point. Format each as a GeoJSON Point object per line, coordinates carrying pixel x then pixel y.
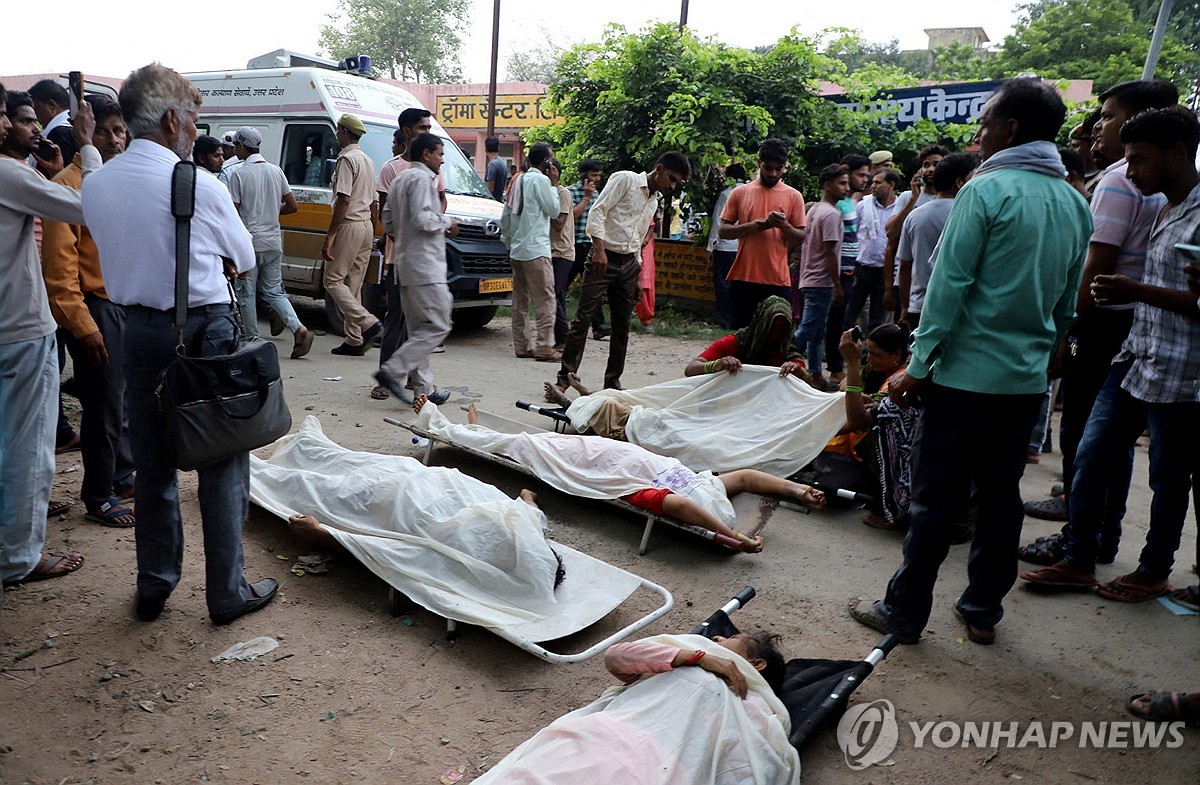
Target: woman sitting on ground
{"type": "Point", "coordinates": [868, 409]}
{"type": "Point", "coordinates": [671, 721]}
{"type": "Point", "coordinates": [766, 341]}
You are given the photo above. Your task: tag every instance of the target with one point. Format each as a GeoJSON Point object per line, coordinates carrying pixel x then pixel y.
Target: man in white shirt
{"type": "Point", "coordinates": [261, 194]}
{"type": "Point", "coordinates": [29, 360]}
{"type": "Point", "coordinates": [874, 212]}
{"type": "Point", "coordinates": [231, 161]}
{"type": "Point", "coordinates": [617, 223]}
{"type": "Point", "coordinates": [127, 207]}
{"type": "Point", "coordinates": [525, 228]}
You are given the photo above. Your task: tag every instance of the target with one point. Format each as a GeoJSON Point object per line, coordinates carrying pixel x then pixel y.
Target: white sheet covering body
{"type": "Point", "coordinates": [682, 726]}
{"type": "Point", "coordinates": [451, 543]}
{"type": "Point", "coordinates": [587, 466]}
{"type": "Point", "coordinates": [721, 422]}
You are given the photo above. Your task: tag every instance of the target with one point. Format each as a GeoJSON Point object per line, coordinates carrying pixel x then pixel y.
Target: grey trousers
{"type": "Point", "coordinates": [427, 311]}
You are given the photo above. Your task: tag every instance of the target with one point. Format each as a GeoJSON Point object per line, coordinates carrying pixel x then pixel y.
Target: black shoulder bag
{"type": "Point", "coordinates": [222, 405]}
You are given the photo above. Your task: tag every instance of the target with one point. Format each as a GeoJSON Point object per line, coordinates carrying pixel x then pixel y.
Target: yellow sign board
{"type": "Point", "coordinates": [683, 269]}
{"type": "Point", "coordinates": [512, 111]}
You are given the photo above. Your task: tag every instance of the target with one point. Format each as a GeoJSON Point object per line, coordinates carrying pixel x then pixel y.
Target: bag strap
{"type": "Point", "coordinates": [183, 207]}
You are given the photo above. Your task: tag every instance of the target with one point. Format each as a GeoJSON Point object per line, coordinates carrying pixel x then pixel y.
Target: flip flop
{"type": "Point", "coordinates": [1121, 590]}
{"type": "Point", "coordinates": [48, 567]}
{"type": "Point", "coordinates": [380, 393]}
{"type": "Point", "coordinates": [1164, 707]}
{"type": "Point", "coordinates": [1059, 576]}
{"type": "Point", "coordinates": [57, 508]}
{"type": "Point", "coordinates": [112, 514]}
{"type": "Point", "coordinates": [1188, 597]}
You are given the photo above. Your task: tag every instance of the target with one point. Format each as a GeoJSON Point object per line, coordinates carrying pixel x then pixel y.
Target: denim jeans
{"type": "Point", "coordinates": [810, 336]}
{"type": "Point", "coordinates": [28, 404]}
{"type": "Point", "coordinates": [835, 326]}
{"type": "Point", "coordinates": [266, 279]}
{"type": "Point", "coordinates": [1117, 420]}
{"type": "Point", "coordinates": [964, 440]}
{"type": "Point", "coordinates": [224, 487]}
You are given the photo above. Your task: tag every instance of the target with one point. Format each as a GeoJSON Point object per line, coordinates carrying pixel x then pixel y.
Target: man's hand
{"type": "Point", "coordinates": [83, 125]}
{"type": "Point", "coordinates": [794, 368]}
{"type": "Point", "coordinates": [728, 672]}
{"type": "Point", "coordinates": [889, 298]}
{"type": "Point", "coordinates": [917, 184]}
{"type": "Point", "coordinates": [850, 349]}
{"type": "Point", "coordinates": [776, 220]}
{"type": "Point", "coordinates": [453, 230]}
{"type": "Point", "coordinates": [327, 248]}
{"type": "Point", "coordinates": [904, 390]}
{"type": "Point", "coordinates": [231, 270]}
{"type": "Point", "coordinates": [839, 299]}
{"type": "Point", "coordinates": [93, 347]}
{"type": "Point", "coordinates": [589, 189]}
{"type": "Point", "coordinates": [599, 262]}
{"type": "Point", "coordinates": [1114, 290]}
{"type": "Point", "coordinates": [50, 165]}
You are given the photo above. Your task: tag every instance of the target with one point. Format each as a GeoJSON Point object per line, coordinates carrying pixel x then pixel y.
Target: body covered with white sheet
{"type": "Point", "coordinates": [451, 543]}
{"type": "Point", "coordinates": [587, 466]}
{"type": "Point", "coordinates": [753, 419]}
{"type": "Point", "coordinates": [684, 726]}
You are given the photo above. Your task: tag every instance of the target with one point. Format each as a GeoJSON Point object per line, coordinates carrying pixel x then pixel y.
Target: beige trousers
{"type": "Point", "coordinates": [533, 285]}
{"type": "Point", "coordinates": [343, 278]}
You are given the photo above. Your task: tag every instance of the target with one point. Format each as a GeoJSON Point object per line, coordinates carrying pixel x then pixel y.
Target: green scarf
{"type": "Point", "coordinates": [752, 345]}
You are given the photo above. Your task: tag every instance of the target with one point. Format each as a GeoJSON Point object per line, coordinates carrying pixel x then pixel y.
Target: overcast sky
{"type": "Point", "coordinates": [114, 38]}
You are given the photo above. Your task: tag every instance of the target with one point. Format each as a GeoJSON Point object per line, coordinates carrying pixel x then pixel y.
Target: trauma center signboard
{"type": "Point", "coordinates": [947, 103]}
{"type": "Point", "coordinates": [512, 111]}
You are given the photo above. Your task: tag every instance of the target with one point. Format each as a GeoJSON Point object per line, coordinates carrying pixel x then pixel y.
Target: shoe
{"type": "Point", "coordinates": [150, 608]}
{"type": "Point", "coordinates": [438, 397]}
{"type": "Point", "coordinates": [394, 387]}
{"type": "Point", "coordinates": [1057, 489]}
{"type": "Point", "coordinates": [371, 334]}
{"type": "Point", "coordinates": [380, 393]}
{"type": "Point", "coordinates": [277, 325]}
{"type": "Point", "coordinates": [1054, 509]}
{"type": "Point", "coordinates": [439, 350]}
{"type": "Point", "coordinates": [560, 347]}
{"type": "Point", "coordinates": [984, 636]}
{"type": "Point", "coordinates": [347, 350]}
{"type": "Point", "coordinates": [302, 345]}
{"type": "Point", "coordinates": [1061, 575]}
{"type": "Point", "coordinates": [602, 332]}
{"type": "Point", "coordinates": [74, 444]}
{"type": "Point", "coordinates": [1044, 550]}
{"type": "Point", "coordinates": [57, 508]}
{"type": "Point", "coordinates": [261, 593]}
{"type": "Point", "coordinates": [524, 355]}
{"type": "Point", "coordinates": [863, 612]}
{"type": "Point", "coordinates": [549, 358]}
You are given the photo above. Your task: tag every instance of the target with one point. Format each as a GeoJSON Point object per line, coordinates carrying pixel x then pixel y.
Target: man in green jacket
{"type": "Point", "coordinates": [999, 300]}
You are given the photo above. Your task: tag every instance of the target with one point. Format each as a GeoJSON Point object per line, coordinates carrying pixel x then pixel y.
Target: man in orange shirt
{"type": "Point", "coordinates": [766, 217]}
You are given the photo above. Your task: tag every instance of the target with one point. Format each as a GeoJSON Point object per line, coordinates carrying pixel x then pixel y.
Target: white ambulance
{"type": "Point", "coordinates": [295, 101]}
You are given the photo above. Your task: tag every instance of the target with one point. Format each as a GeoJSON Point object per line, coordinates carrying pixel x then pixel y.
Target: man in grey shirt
{"type": "Point", "coordinates": [413, 216]}
{"type": "Point", "coordinates": [261, 194]}
{"type": "Point", "coordinates": [922, 230]}
{"type": "Point", "coordinates": [29, 360]}
{"type": "Point", "coordinates": [496, 174]}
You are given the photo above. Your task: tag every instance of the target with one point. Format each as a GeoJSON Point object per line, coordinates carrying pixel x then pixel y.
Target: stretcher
{"type": "Point", "coordinates": [753, 511]}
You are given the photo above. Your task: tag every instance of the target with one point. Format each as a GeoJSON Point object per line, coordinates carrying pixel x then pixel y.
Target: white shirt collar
{"type": "Point", "coordinates": [62, 118]}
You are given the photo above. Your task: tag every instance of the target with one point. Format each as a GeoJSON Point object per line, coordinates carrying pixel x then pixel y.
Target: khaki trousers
{"type": "Point", "coordinates": [343, 278]}
{"type": "Point", "coordinates": [533, 285]}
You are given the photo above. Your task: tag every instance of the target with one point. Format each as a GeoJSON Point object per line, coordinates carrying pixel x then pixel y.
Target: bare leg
{"type": "Point", "coordinates": [687, 511]}
{"type": "Point", "coordinates": [577, 385]}
{"type": "Point", "coordinates": [754, 481]}
{"type": "Point", "coordinates": [307, 528]}
{"type": "Point", "coordinates": [556, 395]}
{"type": "Point", "coordinates": [529, 497]}
{"type": "Point", "coordinates": [472, 415]}
{"type": "Point", "coordinates": [419, 403]}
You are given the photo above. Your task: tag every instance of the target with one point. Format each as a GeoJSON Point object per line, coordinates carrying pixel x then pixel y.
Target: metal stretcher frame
{"type": "Point", "coordinates": [752, 510]}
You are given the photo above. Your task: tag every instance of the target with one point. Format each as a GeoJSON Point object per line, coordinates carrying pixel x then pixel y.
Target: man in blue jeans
{"type": "Point", "coordinates": [999, 300]}
{"type": "Point", "coordinates": [1155, 379]}
{"type": "Point", "coordinates": [127, 207]}
{"type": "Point", "coordinates": [819, 267]}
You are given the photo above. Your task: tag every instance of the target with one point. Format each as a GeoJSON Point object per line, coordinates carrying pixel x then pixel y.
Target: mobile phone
{"type": "Point", "coordinates": [45, 149]}
{"type": "Point", "coordinates": [75, 89]}
{"type": "Point", "coordinates": [1190, 253]}
{"type": "Point", "coordinates": [856, 332]}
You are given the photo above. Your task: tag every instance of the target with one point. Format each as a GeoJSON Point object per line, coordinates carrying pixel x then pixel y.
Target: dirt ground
{"type": "Point", "coordinates": [91, 695]}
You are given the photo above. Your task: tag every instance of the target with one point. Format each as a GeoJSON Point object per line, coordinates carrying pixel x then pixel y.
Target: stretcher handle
{"type": "Point", "coordinates": [553, 414]}
{"type": "Point", "coordinates": [842, 493]}
{"type": "Point", "coordinates": [882, 649]}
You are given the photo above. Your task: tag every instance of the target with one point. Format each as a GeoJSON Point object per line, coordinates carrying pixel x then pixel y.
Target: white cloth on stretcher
{"type": "Point", "coordinates": [682, 726]}
{"type": "Point", "coordinates": [753, 419]}
{"type": "Point", "coordinates": [587, 466]}
{"type": "Point", "coordinates": [450, 542]}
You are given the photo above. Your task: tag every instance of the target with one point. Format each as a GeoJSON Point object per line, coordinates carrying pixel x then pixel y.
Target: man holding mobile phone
{"type": "Point", "coordinates": [52, 104]}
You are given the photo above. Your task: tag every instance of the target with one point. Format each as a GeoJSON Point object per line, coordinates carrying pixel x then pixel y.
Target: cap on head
{"type": "Point", "coordinates": [248, 136]}
{"type": "Point", "coordinates": [227, 139]}
{"type": "Point", "coordinates": [880, 157]}
{"type": "Point", "coordinates": [352, 124]}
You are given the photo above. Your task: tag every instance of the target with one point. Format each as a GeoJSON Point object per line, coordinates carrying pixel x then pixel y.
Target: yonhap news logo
{"type": "Point", "coordinates": [868, 733]}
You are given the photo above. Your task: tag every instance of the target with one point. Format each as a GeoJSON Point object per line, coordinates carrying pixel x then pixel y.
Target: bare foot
{"type": "Point", "coordinates": [752, 544]}
{"type": "Point", "coordinates": [810, 496]}
{"type": "Point", "coordinates": [556, 395]}
{"type": "Point", "coordinates": [577, 385]}
{"type": "Point", "coordinates": [472, 415]}
{"type": "Point", "coordinates": [528, 496]}
{"type": "Point", "coordinates": [309, 529]}
{"type": "Point", "coordinates": [419, 403]}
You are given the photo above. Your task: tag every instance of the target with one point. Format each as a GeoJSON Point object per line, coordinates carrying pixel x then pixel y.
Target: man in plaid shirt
{"type": "Point", "coordinates": [1155, 379]}
{"type": "Point", "coordinates": [583, 194]}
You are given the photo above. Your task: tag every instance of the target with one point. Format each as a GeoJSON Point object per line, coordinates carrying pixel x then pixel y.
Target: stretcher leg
{"type": "Point", "coordinates": [451, 630]}
{"type": "Point", "coordinates": [646, 535]}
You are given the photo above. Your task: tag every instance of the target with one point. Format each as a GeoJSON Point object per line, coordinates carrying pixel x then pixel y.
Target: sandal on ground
{"type": "Point", "coordinates": [1188, 597]}
{"type": "Point", "coordinates": [51, 565]}
{"type": "Point", "coordinates": [380, 393]}
{"type": "Point", "coordinates": [1060, 575]}
{"type": "Point", "coordinates": [1044, 550]}
{"type": "Point", "coordinates": [1124, 590]}
{"type": "Point", "coordinates": [877, 521]}
{"type": "Point", "coordinates": [1164, 707]}
{"type": "Point", "coordinates": [1053, 509]}
{"type": "Point", "coordinates": [72, 444]}
{"type": "Point", "coordinates": [863, 612]}
{"type": "Point", "coordinates": [984, 636]}
{"type": "Point", "coordinates": [57, 508]}
{"type": "Point", "coordinates": [112, 514]}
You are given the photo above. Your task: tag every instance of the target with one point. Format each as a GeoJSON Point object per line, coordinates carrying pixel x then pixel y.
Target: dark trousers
{"type": "Point", "coordinates": [1117, 420]}
{"type": "Point", "coordinates": [107, 457]}
{"type": "Point", "coordinates": [722, 262]}
{"type": "Point", "coordinates": [583, 254]}
{"type": "Point", "coordinates": [224, 487]}
{"type": "Point", "coordinates": [563, 269]}
{"type": "Point", "coordinates": [63, 431]}
{"type": "Point", "coordinates": [868, 285]}
{"type": "Point", "coordinates": [835, 326]}
{"type": "Point", "coordinates": [395, 328]}
{"type": "Point", "coordinates": [620, 284]}
{"type": "Point", "coordinates": [746, 296]}
{"type": "Point", "coordinates": [963, 440]}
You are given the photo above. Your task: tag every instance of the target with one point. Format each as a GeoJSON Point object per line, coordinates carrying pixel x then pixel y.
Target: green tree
{"type": "Point", "coordinates": [1090, 39]}
{"type": "Point", "coordinates": [534, 65]}
{"type": "Point", "coordinates": [411, 40]}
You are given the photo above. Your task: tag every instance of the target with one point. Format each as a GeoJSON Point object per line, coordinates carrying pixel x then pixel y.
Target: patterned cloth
{"type": "Point", "coordinates": [576, 190]}
{"type": "Point", "coordinates": [1165, 346]}
{"type": "Point", "coordinates": [889, 454]}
